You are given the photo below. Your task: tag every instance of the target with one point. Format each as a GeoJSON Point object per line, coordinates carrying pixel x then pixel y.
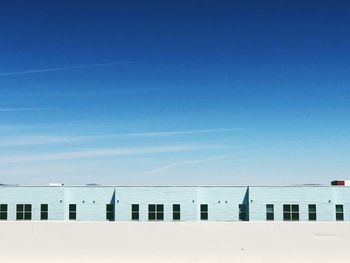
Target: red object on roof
{"type": "Point", "coordinates": [338, 182]}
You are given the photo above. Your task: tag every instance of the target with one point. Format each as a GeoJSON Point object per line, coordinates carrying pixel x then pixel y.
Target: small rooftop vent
{"type": "Point", "coordinates": [341, 182]}
{"type": "Point", "coordinates": [56, 184]}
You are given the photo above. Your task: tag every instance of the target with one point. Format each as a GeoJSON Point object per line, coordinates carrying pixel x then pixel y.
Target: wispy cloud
{"type": "Point", "coordinates": [185, 163]}
{"type": "Point", "coordinates": [23, 109]}
{"type": "Point", "coordinates": [103, 153]}
{"type": "Point", "coordinates": [41, 140]}
{"type": "Point", "coordinates": [34, 71]}
{"type": "Point", "coordinates": [179, 133]}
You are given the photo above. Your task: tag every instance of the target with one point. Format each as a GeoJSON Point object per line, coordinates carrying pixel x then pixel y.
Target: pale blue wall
{"type": "Point", "coordinates": [303, 196]}
{"type": "Point", "coordinates": [125, 196]}
{"type": "Point", "coordinates": [216, 197]}
{"type": "Point", "coordinates": [34, 196]}
{"type": "Point", "coordinates": [223, 201]}
{"type": "Point", "coordinates": [91, 201]}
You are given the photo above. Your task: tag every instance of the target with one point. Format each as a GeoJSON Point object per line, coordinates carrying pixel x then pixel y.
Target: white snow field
{"type": "Point", "coordinates": [174, 242]}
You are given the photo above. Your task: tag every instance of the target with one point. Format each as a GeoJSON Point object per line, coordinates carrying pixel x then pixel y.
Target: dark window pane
{"type": "Point", "coordinates": [135, 212]}
{"type": "Point", "coordinates": [151, 216]}
{"type": "Point", "coordinates": [286, 216]}
{"type": "Point", "coordinates": [3, 207]}
{"type": "Point", "coordinates": [44, 207]}
{"type": "Point", "coordinates": [19, 216]}
{"type": "Point", "coordinates": [176, 208]}
{"type": "Point", "coordinates": [204, 208]}
{"type": "Point", "coordinates": [295, 216]}
{"type": "Point", "coordinates": [72, 211]}
{"type": "Point", "coordinates": [160, 216]}
{"type": "Point", "coordinates": [269, 208]}
{"type": "Point", "coordinates": [3, 216]}
{"type": "Point", "coordinates": [3, 212]}
{"type": "Point", "coordinates": [176, 216]}
{"type": "Point", "coordinates": [286, 208]}
{"type": "Point", "coordinates": [312, 216]}
{"type": "Point", "coordinates": [44, 212]}
{"type": "Point", "coordinates": [295, 208]}
{"type": "Point", "coordinates": [339, 216]}
{"type": "Point", "coordinates": [135, 208]}
{"type": "Point", "coordinates": [176, 212]}
{"type": "Point", "coordinates": [27, 208]}
{"type": "Point", "coordinates": [270, 216]}
{"type": "Point", "coordinates": [27, 216]}
{"type": "Point", "coordinates": [312, 208]}
{"type": "Point", "coordinates": [19, 207]}
{"type": "Point", "coordinates": [72, 208]}
{"type": "Point", "coordinates": [72, 216]}
{"type": "Point", "coordinates": [151, 208]}
{"type": "Point", "coordinates": [339, 208]}
{"type": "Point", "coordinates": [204, 216]}
{"type": "Point", "coordinates": [44, 216]}
{"type": "Point", "coordinates": [135, 216]}
{"type": "Point", "coordinates": [160, 208]}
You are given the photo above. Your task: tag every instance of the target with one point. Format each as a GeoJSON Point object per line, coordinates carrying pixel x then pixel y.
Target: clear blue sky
{"type": "Point", "coordinates": [174, 92]}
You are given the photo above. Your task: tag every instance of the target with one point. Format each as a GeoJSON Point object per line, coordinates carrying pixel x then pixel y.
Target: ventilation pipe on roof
{"type": "Point", "coordinates": [341, 182]}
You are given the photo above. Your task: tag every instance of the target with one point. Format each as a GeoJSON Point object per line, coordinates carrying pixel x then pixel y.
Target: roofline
{"type": "Point", "coordinates": [189, 186]}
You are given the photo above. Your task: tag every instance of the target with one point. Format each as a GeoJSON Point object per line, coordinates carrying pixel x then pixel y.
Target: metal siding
{"type": "Point", "coordinates": [216, 197]}
{"type": "Point", "coordinates": [189, 198]}
{"type": "Point", "coordinates": [156, 195]}
{"type": "Point", "coordinates": [35, 196]}
{"type": "Point", "coordinates": [91, 202]}
{"type": "Point", "coordinates": [260, 196]}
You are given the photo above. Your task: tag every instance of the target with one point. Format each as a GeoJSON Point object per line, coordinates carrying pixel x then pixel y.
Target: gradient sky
{"type": "Point", "coordinates": [174, 92]}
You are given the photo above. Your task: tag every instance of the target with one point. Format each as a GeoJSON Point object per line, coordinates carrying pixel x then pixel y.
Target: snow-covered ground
{"type": "Point", "coordinates": [174, 242]}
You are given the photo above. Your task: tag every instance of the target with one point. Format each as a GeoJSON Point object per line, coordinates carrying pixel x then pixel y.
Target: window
{"type": "Point", "coordinates": [270, 212]}
{"type": "Point", "coordinates": [72, 211]}
{"type": "Point", "coordinates": [3, 211]}
{"type": "Point", "coordinates": [312, 213]}
{"type": "Point", "coordinates": [44, 212]}
{"type": "Point", "coordinates": [110, 212]}
{"type": "Point", "coordinates": [135, 212]}
{"type": "Point", "coordinates": [242, 212]}
{"type": "Point", "coordinates": [24, 212]}
{"type": "Point", "coordinates": [176, 212]}
{"type": "Point", "coordinates": [155, 212]}
{"type": "Point", "coordinates": [291, 212]}
{"type": "Point", "coordinates": [204, 212]}
{"type": "Point", "coordinates": [339, 212]}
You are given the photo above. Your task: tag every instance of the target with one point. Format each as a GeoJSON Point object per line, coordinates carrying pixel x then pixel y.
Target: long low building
{"type": "Point", "coordinates": [176, 203]}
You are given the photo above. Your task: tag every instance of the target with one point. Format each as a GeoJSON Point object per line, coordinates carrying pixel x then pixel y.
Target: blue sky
{"type": "Point", "coordinates": [174, 92]}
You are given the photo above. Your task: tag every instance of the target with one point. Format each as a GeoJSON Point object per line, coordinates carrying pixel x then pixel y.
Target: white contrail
{"type": "Point", "coordinates": [42, 139]}
{"type": "Point", "coordinates": [103, 153]}
{"type": "Point", "coordinates": [24, 72]}
{"type": "Point", "coordinates": [178, 164]}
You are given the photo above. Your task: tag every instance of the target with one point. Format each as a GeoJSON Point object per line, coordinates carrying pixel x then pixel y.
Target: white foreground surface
{"type": "Point", "coordinates": [174, 242]}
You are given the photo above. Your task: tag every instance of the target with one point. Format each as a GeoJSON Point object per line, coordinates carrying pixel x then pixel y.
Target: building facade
{"type": "Point", "coordinates": [175, 203]}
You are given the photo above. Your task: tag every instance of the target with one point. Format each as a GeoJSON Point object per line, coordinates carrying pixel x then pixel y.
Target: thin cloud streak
{"type": "Point", "coordinates": [23, 109]}
{"type": "Point", "coordinates": [184, 163]}
{"type": "Point", "coordinates": [43, 140]}
{"type": "Point", "coordinates": [34, 71]}
{"type": "Point", "coordinates": [179, 133]}
{"type": "Point", "coordinates": [104, 153]}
